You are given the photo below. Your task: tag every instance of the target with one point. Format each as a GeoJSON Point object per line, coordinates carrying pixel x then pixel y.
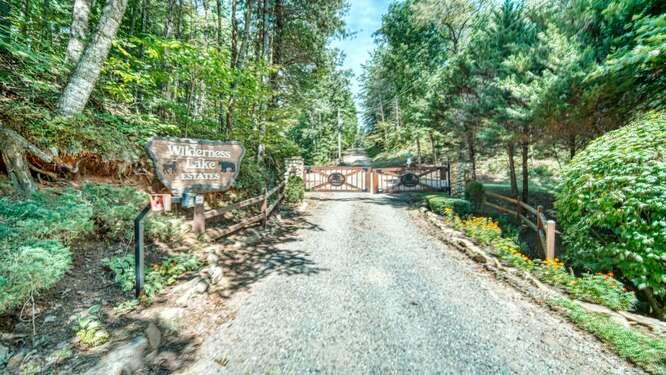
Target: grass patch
{"type": "Point", "coordinates": [643, 350]}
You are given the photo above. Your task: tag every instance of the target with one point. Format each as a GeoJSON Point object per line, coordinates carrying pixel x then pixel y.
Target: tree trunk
{"type": "Point", "coordinates": [435, 157]}
{"type": "Point", "coordinates": [13, 155]}
{"type": "Point", "coordinates": [471, 146]}
{"type": "Point", "coordinates": [512, 169]}
{"type": "Point", "coordinates": [572, 146]}
{"type": "Point", "coordinates": [247, 22]}
{"type": "Point", "coordinates": [26, 18]}
{"type": "Point", "coordinates": [524, 150]}
{"type": "Point", "coordinates": [85, 75]}
{"type": "Point", "coordinates": [4, 23]}
{"type": "Point", "coordinates": [78, 30]}
{"type": "Point", "coordinates": [46, 20]}
{"type": "Point", "coordinates": [218, 9]}
{"type": "Point", "coordinates": [418, 150]}
{"type": "Point", "coordinates": [234, 34]}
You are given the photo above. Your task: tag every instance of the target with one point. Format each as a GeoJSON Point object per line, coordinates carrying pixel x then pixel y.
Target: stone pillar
{"type": "Point", "coordinates": [460, 174]}
{"type": "Point", "coordinates": [294, 166]}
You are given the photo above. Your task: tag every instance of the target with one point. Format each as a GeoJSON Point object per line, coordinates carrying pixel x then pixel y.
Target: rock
{"type": "Point", "coordinates": [171, 318]}
{"type": "Point", "coordinates": [216, 273]}
{"type": "Point", "coordinates": [189, 289]}
{"type": "Point", "coordinates": [154, 336]}
{"type": "Point", "coordinates": [50, 319]}
{"type": "Point", "coordinates": [655, 325]}
{"type": "Point", "coordinates": [125, 359]}
{"type": "Point", "coordinates": [619, 319]}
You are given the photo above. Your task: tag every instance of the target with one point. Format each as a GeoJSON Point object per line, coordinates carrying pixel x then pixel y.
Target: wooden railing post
{"type": "Point", "coordinates": [550, 239]}
{"type": "Point", "coordinates": [264, 208]}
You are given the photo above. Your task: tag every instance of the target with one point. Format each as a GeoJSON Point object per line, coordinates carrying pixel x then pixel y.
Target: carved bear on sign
{"type": "Point", "coordinates": [226, 166]}
{"type": "Point", "coordinates": [169, 168]}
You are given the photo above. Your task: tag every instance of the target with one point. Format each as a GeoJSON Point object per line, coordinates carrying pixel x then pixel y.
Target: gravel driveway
{"type": "Point", "coordinates": [377, 294]}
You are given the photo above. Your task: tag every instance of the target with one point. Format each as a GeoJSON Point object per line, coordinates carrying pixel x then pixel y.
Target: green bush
{"type": "Point", "coordinates": [156, 277]}
{"type": "Point", "coordinates": [474, 193]}
{"type": "Point", "coordinates": [114, 208]}
{"type": "Point", "coordinates": [437, 203]}
{"type": "Point", "coordinates": [62, 216]}
{"type": "Point", "coordinates": [34, 234]}
{"type": "Point", "coordinates": [28, 268]}
{"type": "Point", "coordinates": [168, 228]}
{"type": "Point", "coordinates": [294, 192]}
{"type": "Point", "coordinates": [612, 206]}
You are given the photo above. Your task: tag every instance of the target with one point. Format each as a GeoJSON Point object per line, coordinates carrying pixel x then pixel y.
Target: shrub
{"type": "Point", "coordinates": [294, 192]}
{"type": "Point", "coordinates": [438, 203]}
{"type": "Point", "coordinates": [168, 228]}
{"type": "Point", "coordinates": [115, 207]}
{"type": "Point", "coordinates": [474, 194]}
{"type": "Point", "coordinates": [62, 216]}
{"type": "Point", "coordinates": [28, 268]}
{"type": "Point", "coordinates": [612, 205]}
{"type": "Point", "coordinates": [156, 277]}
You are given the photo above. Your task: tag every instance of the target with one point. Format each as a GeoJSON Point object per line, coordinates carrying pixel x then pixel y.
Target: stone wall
{"type": "Point", "coordinates": [460, 174]}
{"type": "Point", "coordinates": [294, 166]}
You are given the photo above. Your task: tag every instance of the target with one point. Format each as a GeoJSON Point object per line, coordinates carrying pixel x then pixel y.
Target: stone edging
{"type": "Point", "coordinates": [528, 284]}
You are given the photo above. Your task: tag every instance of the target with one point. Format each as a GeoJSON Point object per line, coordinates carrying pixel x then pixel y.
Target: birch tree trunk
{"type": "Point", "coordinates": [79, 30]}
{"type": "Point", "coordinates": [82, 81]}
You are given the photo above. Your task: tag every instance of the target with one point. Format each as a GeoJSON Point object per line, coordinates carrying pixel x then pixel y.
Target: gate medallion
{"type": "Point", "coordinates": [336, 179]}
{"type": "Point", "coordinates": [409, 179]}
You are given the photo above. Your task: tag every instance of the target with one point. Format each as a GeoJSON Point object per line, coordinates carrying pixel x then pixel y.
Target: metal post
{"type": "Point", "coordinates": [550, 239]}
{"type": "Point", "coordinates": [138, 250]}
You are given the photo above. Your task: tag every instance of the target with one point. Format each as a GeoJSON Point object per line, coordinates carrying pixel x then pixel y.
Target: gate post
{"type": "Point", "coordinates": [294, 166]}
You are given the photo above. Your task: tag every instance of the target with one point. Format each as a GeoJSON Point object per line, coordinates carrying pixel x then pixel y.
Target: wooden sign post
{"type": "Point", "coordinates": [192, 167]}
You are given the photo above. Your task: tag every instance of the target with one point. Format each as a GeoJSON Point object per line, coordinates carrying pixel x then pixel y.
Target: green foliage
{"type": "Point", "coordinates": [57, 215]}
{"type": "Point", "coordinates": [474, 193]}
{"type": "Point", "coordinates": [157, 276]}
{"type": "Point", "coordinates": [646, 351]}
{"type": "Point", "coordinates": [28, 268]}
{"type": "Point", "coordinates": [438, 203]}
{"type": "Point", "coordinates": [611, 205]}
{"type": "Point", "coordinates": [34, 234]}
{"type": "Point", "coordinates": [294, 192]}
{"type": "Point", "coordinates": [600, 289]}
{"type": "Point", "coordinates": [167, 228]}
{"type": "Point", "coordinates": [114, 208]}
{"type": "Point", "coordinates": [89, 329]}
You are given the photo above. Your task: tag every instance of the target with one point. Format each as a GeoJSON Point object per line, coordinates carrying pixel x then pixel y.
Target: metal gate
{"type": "Point", "coordinates": [378, 180]}
{"type": "Point", "coordinates": [414, 179]}
{"type": "Point", "coordinates": [336, 179]}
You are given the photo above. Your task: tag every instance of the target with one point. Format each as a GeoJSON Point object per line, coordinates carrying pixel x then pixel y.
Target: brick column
{"type": "Point", "coordinates": [294, 166]}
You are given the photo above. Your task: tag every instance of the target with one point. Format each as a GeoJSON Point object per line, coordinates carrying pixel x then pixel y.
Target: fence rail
{"type": "Point", "coordinates": [266, 210]}
{"type": "Point", "coordinates": [544, 227]}
{"type": "Point", "coordinates": [199, 221]}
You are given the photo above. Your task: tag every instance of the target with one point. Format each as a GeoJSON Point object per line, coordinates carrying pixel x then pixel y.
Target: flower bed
{"type": "Point", "coordinates": [601, 289]}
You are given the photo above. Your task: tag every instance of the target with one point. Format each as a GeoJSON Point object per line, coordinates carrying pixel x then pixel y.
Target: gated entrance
{"type": "Point", "coordinates": [378, 180]}
{"type": "Point", "coordinates": [336, 179]}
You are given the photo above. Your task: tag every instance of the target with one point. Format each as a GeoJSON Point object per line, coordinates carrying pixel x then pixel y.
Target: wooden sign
{"type": "Point", "coordinates": [195, 165]}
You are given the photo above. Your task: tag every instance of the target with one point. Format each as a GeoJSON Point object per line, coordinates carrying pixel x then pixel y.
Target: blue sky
{"type": "Point", "coordinates": [363, 19]}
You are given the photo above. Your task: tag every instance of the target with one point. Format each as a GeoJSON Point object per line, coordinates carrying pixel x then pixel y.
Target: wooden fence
{"type": "Point", "coordinates": [530, 216]}
{"type": "Point", "coordinates": [261, 218]}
